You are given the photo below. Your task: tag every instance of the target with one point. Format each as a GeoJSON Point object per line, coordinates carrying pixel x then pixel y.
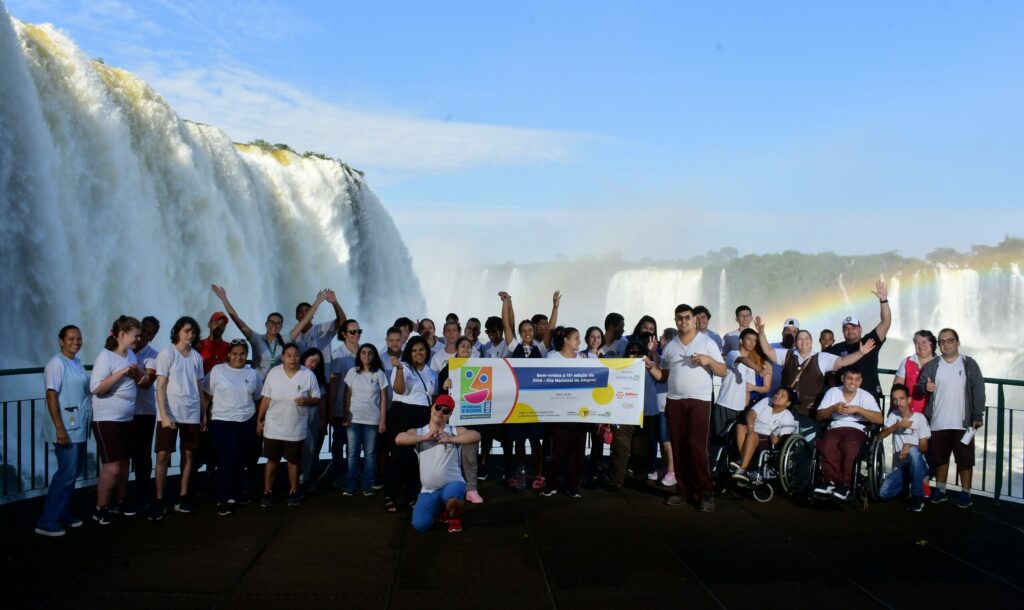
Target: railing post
{"type": "Point", "coordinates": [1000, 418]}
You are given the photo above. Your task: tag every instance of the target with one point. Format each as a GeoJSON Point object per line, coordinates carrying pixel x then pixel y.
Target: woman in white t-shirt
{"type": "Point", "coordinates": [414, 384]}
{"type": "Point", "coordinates": [69, 404]}
{"type": "Point", "coordinates": [288, 392]}
{"type": "Point", "coordinates": [464, 349]}
{"type": "Point", "coordinates": [114, 374]}
{"type": "Point", "coordinates": [594, 347]}
{"type": "Point", "coordinates": [366, 403]}
{"type": "Point", "coordinates": [568, 440]}
{"type": "Point", "coordinates": [316, 418]}
{"type": "Point", "coordinates": [236, 388]}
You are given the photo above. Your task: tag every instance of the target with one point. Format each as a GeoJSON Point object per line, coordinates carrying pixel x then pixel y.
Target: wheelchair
{"type": "Point", "coordinates": [800, 469]}
{"type": "Point", "coordinates": [764, 470]}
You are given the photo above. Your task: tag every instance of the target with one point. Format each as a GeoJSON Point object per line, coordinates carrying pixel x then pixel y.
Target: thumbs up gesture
{"type": "Point", "coordinates": [930, 386]}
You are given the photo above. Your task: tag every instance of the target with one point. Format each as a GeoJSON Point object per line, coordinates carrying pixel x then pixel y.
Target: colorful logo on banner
{"type": "Point", "coordinates": [477, 392]}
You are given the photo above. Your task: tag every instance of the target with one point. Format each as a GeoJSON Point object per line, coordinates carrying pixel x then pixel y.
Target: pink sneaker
{"type": "Point", "coordinates": [538, 483]}
{"type": "Point", "coordinates": [669, 480]}
{"type": "Point", "coordinates": [474, 497]}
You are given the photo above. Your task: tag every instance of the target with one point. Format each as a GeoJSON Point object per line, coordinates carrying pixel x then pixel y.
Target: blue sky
{"type": "Point", "coordinates": [655, 129]}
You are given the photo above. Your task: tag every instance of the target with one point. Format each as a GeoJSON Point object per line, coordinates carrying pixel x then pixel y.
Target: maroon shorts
{"type": "Point", "coordinates": [944, 442]}
{"type": "Point", "coordinates": [113, 440]}
{"type": "Point", "coordinates": [167, 438]}
{"type": "Point", "coordinates": [274, 450]}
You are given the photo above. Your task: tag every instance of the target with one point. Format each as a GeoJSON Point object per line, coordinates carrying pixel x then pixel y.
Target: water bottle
{"type": "Point", "coordinates": [521, 477]}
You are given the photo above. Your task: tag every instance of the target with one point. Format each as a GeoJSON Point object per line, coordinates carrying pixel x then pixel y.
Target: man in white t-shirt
{"type": "Point", "coordinates": [702, 316]}
{"type": "Point", "coordinates": [342, 359]}
{"type": "Point", "coordinates": [687, 364]}
{"type": "Point", "coordinates": [910, 433]}
{"type": "Point", "coordinates": [849, 410]}
{"type": "Point", "coordinates": [441, 356]}
{"type": "Point", "coordinates": [956, 409]}
{"type": "Point", "coordinates": [766, 423]}
{"type": "Point", "coordinates": [440, 460]}
{"type": "Point", "coordinates": [495, 347]}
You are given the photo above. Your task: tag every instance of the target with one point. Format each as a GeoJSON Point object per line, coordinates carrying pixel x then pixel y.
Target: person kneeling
{"type": "Point", "coordinates": [768, 419]}
{"type": "Point", "coordinates": [851, 410]}
{"type": "Point", "coordinates": [910, 434]}
{"type": "Point", "coordinates": [437, 446]}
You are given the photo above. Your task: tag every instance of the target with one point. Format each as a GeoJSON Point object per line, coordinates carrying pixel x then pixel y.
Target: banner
{"type": "Point", "coordinates": [531, 390]}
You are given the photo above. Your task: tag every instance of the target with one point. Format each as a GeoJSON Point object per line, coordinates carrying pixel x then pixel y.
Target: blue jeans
{"type": "Point", "coordinates": [70, 463]}
{"type": "Point", "coordinates": [430, 505]}
{"type": "Point", "coordinates": [914, 467]}
{"type": "Point", "coordinates": [361, 436]}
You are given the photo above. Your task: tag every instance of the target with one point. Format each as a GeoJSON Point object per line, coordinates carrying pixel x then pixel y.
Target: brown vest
{"type": "Point", "coordinates": [810, 387]}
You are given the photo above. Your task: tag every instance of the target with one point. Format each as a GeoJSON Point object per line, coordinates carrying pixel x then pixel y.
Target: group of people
{"type": "Point", "coordinates": [390, 406]}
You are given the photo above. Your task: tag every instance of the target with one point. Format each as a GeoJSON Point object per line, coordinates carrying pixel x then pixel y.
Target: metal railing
{"type": "Point", "coordinates": [27, 459]}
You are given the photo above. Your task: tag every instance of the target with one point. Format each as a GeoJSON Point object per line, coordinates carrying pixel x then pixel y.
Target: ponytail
{"type": "Point", "coordinates": [121, 325]}
{"type": "Point", "coordinates": [559, 335]}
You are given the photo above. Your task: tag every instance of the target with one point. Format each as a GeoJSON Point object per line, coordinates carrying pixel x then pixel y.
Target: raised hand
{"type": "Point", "coordinates": [219, 292]}
{"type": "Point", "coordinates": [556, 298]}
{"type": "Point", "coordinates": [504, 295]}
{"type": "Point", "coordinates": [758, 324]}
{"type": "Point", "coordinates": [395, 362]}
{"type": "Point", "coordinates": [867, 346]}
{"type": "Point", "coordinates": [330, 297]}
{"type": "Point", "coordinates": [881, 291]}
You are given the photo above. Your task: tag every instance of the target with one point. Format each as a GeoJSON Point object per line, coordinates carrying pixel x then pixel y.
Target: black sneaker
{"type": "Point", "coordinates": [825, 489]}
{"type": "Point", "coordinates": [575, 493]}
{"type": "Point", "coordinates": [547, 492]}
{"type": "Point", "coordinates": [294, 499]}
{"type": "Point", "coordinates": [158, 512]}
{"type": "Point", "coordinates": [267, 500]}
{"type": "Point", "coordinates": [114, 510]}
{"type": "Point", "coordinates": [128, 509]}
{"type": "Point", "coordinates": [676, 500]}
{"type": "Point", "coordinates": [183, 506]}
{"type": "Point", "coordinates": [377, 486]}
{"type": "Point", "coordinates": [240, 502]}
{"type": "Point", "coordinates": [482, 476]}
{"type": "Point", "coordinates": [707, 503]}
{"type": "Point", "coordinates": [916, 504]}
{"type": "Point", "coordinates": [103, 516]}
{"type": "Point", "coordinates": [225, 510]}
{"type": "Point", "coordinates": [841, 492]}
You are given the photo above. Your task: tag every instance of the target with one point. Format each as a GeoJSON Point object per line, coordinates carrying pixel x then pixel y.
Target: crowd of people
{"type": "Point", "coordinates": [224, 404]}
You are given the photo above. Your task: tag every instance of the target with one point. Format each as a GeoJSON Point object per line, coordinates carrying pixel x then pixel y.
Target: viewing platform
{"type": "Point", "coordinates": [621, 549]}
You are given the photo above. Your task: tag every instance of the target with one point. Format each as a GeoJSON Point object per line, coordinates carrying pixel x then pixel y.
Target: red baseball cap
{"type": "Point", "coordinates": [218, 315]}
{"type": "Point", "coordinates": [445, 400]}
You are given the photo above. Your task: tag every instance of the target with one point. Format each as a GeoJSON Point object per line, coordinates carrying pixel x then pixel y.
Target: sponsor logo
{"type": "Point", "coordinates": [476, 391]}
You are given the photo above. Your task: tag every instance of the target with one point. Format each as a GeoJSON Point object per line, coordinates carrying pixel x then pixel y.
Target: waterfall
{"type": "Point", "coordinates": [725, 306]}
{"type": "Point", "coordinates": [653, 292]}
{"type": "Point", "coordinates": [897, 331]}
{"type": "Point", "coordinates": [114, 204]}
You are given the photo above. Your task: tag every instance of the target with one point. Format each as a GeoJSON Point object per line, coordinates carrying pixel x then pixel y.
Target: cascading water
{"type": "Point", "coordinates": [113, 204]}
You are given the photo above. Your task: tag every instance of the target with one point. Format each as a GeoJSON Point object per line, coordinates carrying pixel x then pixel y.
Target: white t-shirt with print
{"type": "Point", "coordinates": [439, 464]}
{"type": "Point", "coordinates": [183, 374]}
{"type": "Point", "coordinates": [118, 404]}
{"type": "Point", "coordinates": [285, 420]}
{"type": "Point", "coordinates": [685, 379]}
{"type": "Point", "coordinates": [948, 401]}
{"type": "Point", "coordinates": [235, 392]}
{"type": "Point", "coordinates": [862, 399]}
{"type": "Point", "coordinates": [769, 422]}
{"type": "Point", "coordinates": [907, 436]}
{"type": "Point", "coordinates": [826, 361]}
{"type": "Point", "coordinates": [438, 360]}
{"type": "Point", "coordinates": [420, 386]}
{"type": "Point", "coordinates": [733, 393]}
{"type": "Point", "coordinates": [490, 350]}
{"type": "Point", "coordinates": [365, 388]}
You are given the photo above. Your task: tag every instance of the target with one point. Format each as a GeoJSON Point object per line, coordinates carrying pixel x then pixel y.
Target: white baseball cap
{"type": "Point", "coordinates": [792, 322]}
{"type": "Point", "coordinates": [851, 320]}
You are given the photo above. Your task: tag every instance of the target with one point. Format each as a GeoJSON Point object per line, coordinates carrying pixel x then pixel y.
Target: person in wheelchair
{"type": "Point", "coordinates": [849, 412]}
{"type": "Point", "coordinates": [764, 425]}
{"type": "Point", "coordinates": [910, 434]}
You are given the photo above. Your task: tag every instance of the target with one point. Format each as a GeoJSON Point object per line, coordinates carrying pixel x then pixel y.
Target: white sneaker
{"type": "Point", "coordinates": [669, 480]}
{"type": "Point", "coordinates": [652, 476]}
{"type": "Point", "coordinates": [474, 497]}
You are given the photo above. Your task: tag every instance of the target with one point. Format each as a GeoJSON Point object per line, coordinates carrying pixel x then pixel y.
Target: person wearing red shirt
{"type": "Point", "coordinates": [214, 349]}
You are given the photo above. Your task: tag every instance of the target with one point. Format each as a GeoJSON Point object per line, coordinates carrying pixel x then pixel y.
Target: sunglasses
{"type": "Point", "coordinates": [357, 331]}
{"type": "Point", "coordinates": [235, 342]}
{"type": "Point", "coordinates": [444, 410]}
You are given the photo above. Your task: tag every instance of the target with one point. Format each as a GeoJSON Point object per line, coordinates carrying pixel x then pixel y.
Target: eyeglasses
{"type": "Point", "coordinates": [235, 342]}
{"type": "Point", "coordinates": [273, 323]}
{"type": "Point", "coordinates": [444, 410]}
{"type": "Point", "coordinates": [357, 331]}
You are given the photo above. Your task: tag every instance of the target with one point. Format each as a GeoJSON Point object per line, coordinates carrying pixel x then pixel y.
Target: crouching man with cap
{"type": "Point", "coordinates": [438, 447]}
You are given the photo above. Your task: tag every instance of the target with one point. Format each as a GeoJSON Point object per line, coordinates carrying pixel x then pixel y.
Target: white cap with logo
{"type": "Point", "coordinates": [851, 320]}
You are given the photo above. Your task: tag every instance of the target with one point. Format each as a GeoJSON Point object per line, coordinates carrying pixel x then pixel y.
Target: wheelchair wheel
{"type": "Point", "coordinates": [763, 492]}
{"type": "Point", "coordinates": [876, 468]}
{"type": "Point", "coordinates": [795, 465]}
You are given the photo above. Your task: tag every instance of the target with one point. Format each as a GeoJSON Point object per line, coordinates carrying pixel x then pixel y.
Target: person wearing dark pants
{"type": "Point", "coordinates": [622, 444]}
{"type": "Point", "coordinates": [414, 384]}
{"type": "Point", "coordinates": [144, 422]}
{"type": "Point", "coordinates": [235, 388]}
{"type": "Point", "coordinates": [568, 446]}
{"type": "Point", "coordinates": [849, 409]}
{"type": "Point", "coordinates": [687, 365]}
